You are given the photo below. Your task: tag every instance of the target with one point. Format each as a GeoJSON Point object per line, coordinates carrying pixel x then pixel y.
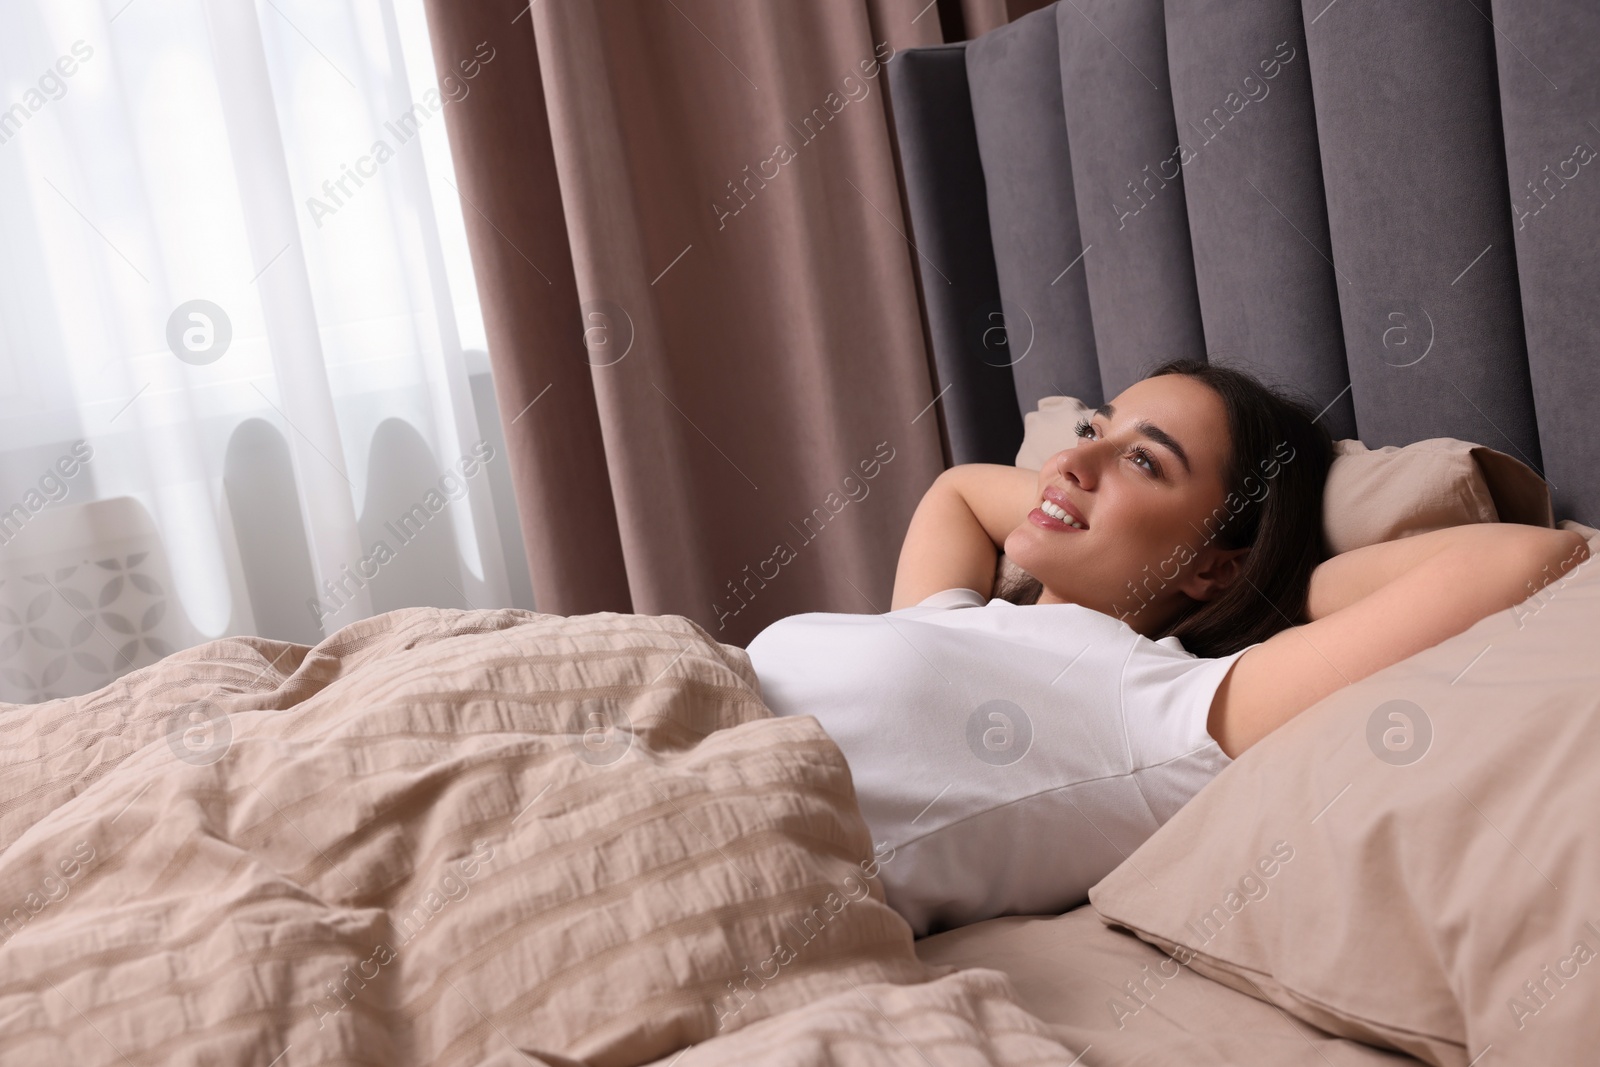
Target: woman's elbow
{"type": "Point", "coordinates": [1565, 552]}
{"type": "Point", "coordinates": [1554, 557]}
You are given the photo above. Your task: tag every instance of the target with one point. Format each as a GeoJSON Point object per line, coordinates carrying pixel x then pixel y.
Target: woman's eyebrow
{"type": "Point", "coordinates": [1154, 432]}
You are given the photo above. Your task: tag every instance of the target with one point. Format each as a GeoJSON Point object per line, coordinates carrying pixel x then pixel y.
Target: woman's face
{"type": "Point", "coordinates": [1146, 482]}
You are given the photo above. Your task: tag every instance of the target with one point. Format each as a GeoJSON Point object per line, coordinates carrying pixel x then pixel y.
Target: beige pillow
{"type": "Point", "coordinates": [1050, 429]}
{"type": "Point", "coordinates": [1414, 861]}
{"type": "Point", "coordinates": [1372, 495]}
{"type": "Point", "coordinates": [1376, 495]}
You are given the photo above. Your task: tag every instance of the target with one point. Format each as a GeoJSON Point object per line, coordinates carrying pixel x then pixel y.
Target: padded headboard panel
{"type": "Point", "coordinates": [933, 121]}
{"type": "Point", "coordinates": [1387, 209]}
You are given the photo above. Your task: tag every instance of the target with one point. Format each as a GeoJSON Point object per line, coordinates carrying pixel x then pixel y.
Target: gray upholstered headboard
{"type": "Point", "coordinates": [1393, 210]}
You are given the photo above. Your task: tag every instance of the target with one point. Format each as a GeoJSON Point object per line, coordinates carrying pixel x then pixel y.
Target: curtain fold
{"type": "Point", "coordinates": [303, 392]}
{"type": "Point", "coordinates": [511, 201]}
{"type": "Point", "coordinates": [722, 340]}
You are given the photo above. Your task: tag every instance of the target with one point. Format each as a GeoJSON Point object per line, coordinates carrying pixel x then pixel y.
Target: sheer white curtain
{"type": "Point", "coordinates": [234, 305]}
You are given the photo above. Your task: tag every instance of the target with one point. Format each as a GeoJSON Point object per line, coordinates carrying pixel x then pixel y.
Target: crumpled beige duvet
{"type": "Point", "coordinates": [458, 837]}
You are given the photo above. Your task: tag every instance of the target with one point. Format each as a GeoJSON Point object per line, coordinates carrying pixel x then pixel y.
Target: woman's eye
{"type": "Point", "coordinates": [1141, 456]}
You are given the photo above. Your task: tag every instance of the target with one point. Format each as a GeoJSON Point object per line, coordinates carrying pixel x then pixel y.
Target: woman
{"type": "Point", "coordinates": [1011, 750]}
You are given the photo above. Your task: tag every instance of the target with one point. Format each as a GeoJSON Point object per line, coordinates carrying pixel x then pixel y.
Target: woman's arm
{"type": "Point", "coordinates": [958, 530]}
{"type": "Point", "coordinates": [1378, 605]}
{"type": "Point", "coordinates": [1352, 576]}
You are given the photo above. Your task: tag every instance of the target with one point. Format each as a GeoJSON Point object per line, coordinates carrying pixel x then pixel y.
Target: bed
{"type": "Point", "coordinates": [500, 837]}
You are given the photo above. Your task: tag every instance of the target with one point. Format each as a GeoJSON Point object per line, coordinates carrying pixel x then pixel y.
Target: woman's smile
{"type": "Point", "coordinates": [1041, 518]}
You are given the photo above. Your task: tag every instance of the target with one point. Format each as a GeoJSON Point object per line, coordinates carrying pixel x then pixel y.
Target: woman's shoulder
{"type": "Point", "coordinates": [949, 598]}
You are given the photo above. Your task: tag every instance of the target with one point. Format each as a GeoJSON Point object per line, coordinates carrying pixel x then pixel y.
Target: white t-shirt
{"type": "Point", "coordinates": [1010, 755]}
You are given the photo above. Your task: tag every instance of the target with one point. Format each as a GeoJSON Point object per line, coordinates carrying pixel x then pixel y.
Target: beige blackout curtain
{"type": "Point", "coordinates": [697, 281]}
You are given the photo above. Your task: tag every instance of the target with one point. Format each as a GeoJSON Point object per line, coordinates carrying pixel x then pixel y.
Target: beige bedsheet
{"type": "Point", "coordinates": [1125, 1003]}
{"type": "Point", "coordinates": [447, 837]}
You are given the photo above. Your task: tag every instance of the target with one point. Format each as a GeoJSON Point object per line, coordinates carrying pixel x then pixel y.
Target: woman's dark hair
{"type": "Point", "coordinates": [1276, 444]}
